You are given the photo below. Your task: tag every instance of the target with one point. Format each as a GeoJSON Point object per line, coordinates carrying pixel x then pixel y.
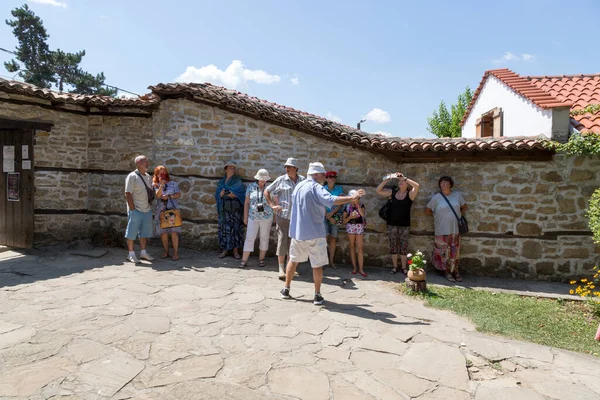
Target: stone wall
{"type": "Point", "coordinates": [527, 218]}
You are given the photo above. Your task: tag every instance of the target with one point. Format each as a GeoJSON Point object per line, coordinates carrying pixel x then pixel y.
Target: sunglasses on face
{"type": "Point", "coordinates": [331, 177]}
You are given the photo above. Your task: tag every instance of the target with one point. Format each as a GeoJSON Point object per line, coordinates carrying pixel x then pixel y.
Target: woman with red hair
{"type": "Point", "coordinates": [167, 193]}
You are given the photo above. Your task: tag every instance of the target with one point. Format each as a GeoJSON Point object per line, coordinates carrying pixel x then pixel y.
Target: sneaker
{"type": "Point", "coordinates": [285, 293]}
{"type": "Point", "coordinates": [147, 257]}
{"type": "Point", "coordinates": [318, 300]}
{"type": "Point", "coordinates": [133, 259]}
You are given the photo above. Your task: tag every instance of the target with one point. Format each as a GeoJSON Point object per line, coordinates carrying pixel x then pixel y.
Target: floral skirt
{"type": "Point", "coordinates": [398, 239]}
{"type": "Point", "coordinates": [355, 229]}
{"type": "Point", "coordinates": [446, 252]}
{"type": "Point", "coordinates": [231, 230]}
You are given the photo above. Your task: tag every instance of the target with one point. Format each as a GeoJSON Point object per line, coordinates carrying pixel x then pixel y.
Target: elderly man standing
{"type": "Point", "coordinates": [309, 201]}
{"type": "Point", "coordinates": [282, 187]}
{"type": "Point", "coordinates": [138, 188]}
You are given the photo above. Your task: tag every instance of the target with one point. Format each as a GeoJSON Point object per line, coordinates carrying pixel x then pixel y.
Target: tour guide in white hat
{"type": "Point", "coordinates": [307, 231]}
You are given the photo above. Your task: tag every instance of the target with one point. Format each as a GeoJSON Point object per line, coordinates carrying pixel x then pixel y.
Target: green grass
{"type": "Point", "coordinates": [558, 323]}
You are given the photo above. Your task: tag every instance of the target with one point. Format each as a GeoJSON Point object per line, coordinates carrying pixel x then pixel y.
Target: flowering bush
{"type": "Point", "coordinates": [417, 261]}
{"type": "Point", "coordinates": [587, 289]}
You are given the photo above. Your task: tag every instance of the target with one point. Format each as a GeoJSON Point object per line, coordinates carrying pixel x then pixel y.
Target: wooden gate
{"type": "Point", "coordinates": [16, 182]}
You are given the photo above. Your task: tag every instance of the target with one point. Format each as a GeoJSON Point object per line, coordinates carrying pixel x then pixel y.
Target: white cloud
{"type": "Point", "coordinates": [527, 57]}
{"type": "Point", "coordinates": [54, 3]}
{"type": "Point", "coordinates": [332, 117]}
{"type": "Point", "coordinates": [232, 77]}
{"type": "Point", "coordinates": [295, 80]}
{"type": "Point", "coordinates": [508, 56]}
{"type": "Point", "coordinates": [378, 115]}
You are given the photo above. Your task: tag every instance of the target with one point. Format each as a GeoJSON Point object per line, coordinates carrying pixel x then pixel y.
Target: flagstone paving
{"type": "Point", "coordinates": [97, 327]}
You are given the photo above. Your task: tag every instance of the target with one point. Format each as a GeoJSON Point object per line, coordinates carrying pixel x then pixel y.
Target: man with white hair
{"type": "Point", "coordinates": [139, 195]}
{"type": "Point", "coordinates": [307, 231]}
{"type": "Point", "coordinates": [282, 187]}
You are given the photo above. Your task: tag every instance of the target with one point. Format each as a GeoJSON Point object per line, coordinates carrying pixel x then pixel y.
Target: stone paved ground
{"type": "Point", "coordinates": [80, 327]}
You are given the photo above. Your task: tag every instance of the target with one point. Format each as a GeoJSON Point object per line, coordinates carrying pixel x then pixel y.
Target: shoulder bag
{"type": "Point", "coordinates": [170, 218]}
{"type": "Point", "coordinates": [150, 192]}
{"type": "Point", "coordinates": [384, 212]}
{"type": "Point", "coordinates": [463, 225]}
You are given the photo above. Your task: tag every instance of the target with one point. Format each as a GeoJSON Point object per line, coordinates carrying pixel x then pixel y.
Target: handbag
{"type": "Point", "coordinates": [463, 225]}
{"type": "Point", "coordinates": [150, 192]}
{"type": "Point", "coordinates": [170, 217]}
{"type": "Point", "coordinates": [384, 212]}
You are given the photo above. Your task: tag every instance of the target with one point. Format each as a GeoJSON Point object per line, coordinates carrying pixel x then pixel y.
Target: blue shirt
{"type": "Point", "coordinates": [309, 201]}
{"type": "Point", "coordinates": [256, 196]}
{"type": "Point", "coordinates": [336, 191]}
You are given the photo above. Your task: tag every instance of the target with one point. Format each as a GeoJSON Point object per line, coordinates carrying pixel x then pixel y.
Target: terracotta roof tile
{"type": "Point", "coordinates": [71, 98]}
{"type": "Point", "coordinates": [520, 85]}
{"type": "Point", "coordinates": [580, 90]}
{"type": "Point", "coordinates": [238, 102]}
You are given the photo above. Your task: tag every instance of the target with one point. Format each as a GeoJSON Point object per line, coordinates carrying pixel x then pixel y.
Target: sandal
{"type": "Point", "coordinates": [237, 256]}
{"type": "Point", "coordinates": [363, 274]}
{"type": "Point", "coordinates": [243, 264]}
{"type": "Point", "coordinates": [394, 271]}
{"type": "Point", "coordinates": [450, 277]}
{"type": "Point", "coordinates": [457, 277]}
{"type": "Point", "coordinates": [165, 255]}
{"type": "Point", "coordinates": [261, 263]}
{"type": "Point", "coordinates": [353, 272]}
{"type": "Point", "coordinates": [175, 258]}
{"type": "Point", "coordinates": [405, 271]}
{"type": "Point", "coordinates": [223, 254]}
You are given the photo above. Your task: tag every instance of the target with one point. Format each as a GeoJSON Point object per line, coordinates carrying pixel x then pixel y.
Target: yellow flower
{"type": "Point", "coordinates": [573, 282]}
{"type": "Point", "coordinates": [571, 291]}
{"type": "Point", "coordinates": [584, 280]}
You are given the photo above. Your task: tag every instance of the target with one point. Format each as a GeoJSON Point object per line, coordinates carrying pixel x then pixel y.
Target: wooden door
{"type": "Point", "coordinates": [16, 187]}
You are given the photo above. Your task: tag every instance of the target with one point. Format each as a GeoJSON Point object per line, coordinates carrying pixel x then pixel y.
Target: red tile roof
{"type": "Point", "coordinates": [241, 103]}
{"type": "Point", "coordinates": [580, 90]}
{"type": "Point", "coordinates": [574, 91]}
{"type": "Point", "coordinates": [27, 89]}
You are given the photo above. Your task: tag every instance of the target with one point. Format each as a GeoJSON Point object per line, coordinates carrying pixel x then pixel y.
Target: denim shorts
{"type": "Point", "coordinates": [331, 230]}
{"type": "Point", "coordinates": [139, 224]}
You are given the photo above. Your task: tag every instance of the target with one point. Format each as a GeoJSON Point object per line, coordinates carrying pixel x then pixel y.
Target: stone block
{"type": "Point", "coordinates": [528, 229]}
{"type": "Point", "coordinates": [209, 126]}
{"type": "Point", "coordinates": [547, 210]}
{"type": "Point", "coordinates": [578, 175]}
{"type": "Point", "coordinates": [552, 176]}
{"type": "Point", "coordinates": [532, 249]}
{"type": "Point", "coordinates": [506, 189]}
{"type": "Point", "coordinates": [575, 252]}
{"type": "Point", "coordinates": [507, 252]}
{"type": "Point", "coordinates": [523, 267]}
{"type": "Point", "coordinates": [566, 205]}
{"type": "Point", "coordinates": [544, 268]}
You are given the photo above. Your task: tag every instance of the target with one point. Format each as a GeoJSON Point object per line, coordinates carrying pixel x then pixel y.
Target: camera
{"type": "Point", "coordinates": [260, 207]}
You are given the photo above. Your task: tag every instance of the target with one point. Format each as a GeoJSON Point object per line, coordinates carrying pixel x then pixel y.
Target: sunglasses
{"type": "Point", "coordinates": [332, 177]}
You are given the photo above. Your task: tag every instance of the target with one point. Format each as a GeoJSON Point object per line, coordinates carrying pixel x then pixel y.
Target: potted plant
{"type": "Point", "coordinates": [416, 265]}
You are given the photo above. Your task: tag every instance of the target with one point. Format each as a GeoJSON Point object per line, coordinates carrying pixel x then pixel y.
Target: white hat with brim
{"type": "Point", "coordinates": [291, 162]}
{"type": "Point", "coordinates": [262, 175]}
{"type": "Point", "coordinates": [316, 168]}
{"type": "Point", "coordinates": [230, 163]}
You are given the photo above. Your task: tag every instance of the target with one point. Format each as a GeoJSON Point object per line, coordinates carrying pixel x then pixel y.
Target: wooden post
{"type": "Point", "coordinates": [416, 286]}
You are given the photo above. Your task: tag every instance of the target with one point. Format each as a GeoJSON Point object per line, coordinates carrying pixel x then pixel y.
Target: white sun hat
{"type": "Point", "coordinates": [291, 162]}
{"type": "Point", "coordinates": [316, 168]}
{"type": "Point", "coordinates": [262, 175]}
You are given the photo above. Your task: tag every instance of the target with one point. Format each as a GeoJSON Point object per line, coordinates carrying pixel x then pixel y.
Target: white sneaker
{"type": "Point", "coordinates": [133, 259]}
{"type": "Point", "coordinates": [147, 257]}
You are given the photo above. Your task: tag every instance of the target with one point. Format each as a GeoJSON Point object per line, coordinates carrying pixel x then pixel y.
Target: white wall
{"type": "Point", "coordinates": [521, 117]}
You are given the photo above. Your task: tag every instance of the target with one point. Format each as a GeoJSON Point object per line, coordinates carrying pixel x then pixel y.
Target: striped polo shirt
{"type": "Point", "coordinates": [283, 187]}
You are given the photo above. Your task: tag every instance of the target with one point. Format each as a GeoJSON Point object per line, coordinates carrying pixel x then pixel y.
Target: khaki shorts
{"type": "Point", "coordinates": [313, 249]}
{"type": "Point", "coordinates": [283, 235]}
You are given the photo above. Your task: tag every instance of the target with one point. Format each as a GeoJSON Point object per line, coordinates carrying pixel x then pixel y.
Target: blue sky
{"type": "Point", "coordinates": [392, 61]}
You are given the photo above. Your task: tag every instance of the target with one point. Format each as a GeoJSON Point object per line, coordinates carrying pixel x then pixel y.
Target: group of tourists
{"type": "Point", "coordinates": [308, 212]}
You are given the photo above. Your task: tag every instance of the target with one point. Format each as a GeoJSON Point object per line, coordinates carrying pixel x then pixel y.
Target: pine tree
{"type": "Point", "coordinates": [44, 67]}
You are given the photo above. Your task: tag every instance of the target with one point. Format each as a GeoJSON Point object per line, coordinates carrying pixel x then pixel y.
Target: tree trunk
{"type": "Point", "coordinates": [416, 286]}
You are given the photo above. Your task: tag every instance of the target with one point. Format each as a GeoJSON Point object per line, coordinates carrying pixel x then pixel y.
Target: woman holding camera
{"type": "Point", "coordinates": [230, 195]}
{"type": "Point", "coordinates": [258, 216]}
{"type": "Point", "coordinates": [398, 222]}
